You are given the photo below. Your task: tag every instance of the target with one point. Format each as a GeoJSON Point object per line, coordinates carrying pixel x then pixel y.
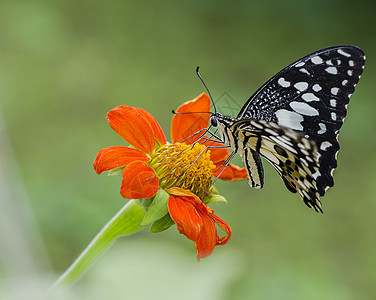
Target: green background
{"type": "Point", "coordinates": [65, 64]}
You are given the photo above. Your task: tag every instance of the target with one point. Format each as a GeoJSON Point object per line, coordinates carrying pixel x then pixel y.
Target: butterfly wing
{"type": "Point", "coordinates": [311, 96]}
{"type": "Point", "coordinates": [253, 165]}
{"type": "Point", "coordinates": [293, 156]}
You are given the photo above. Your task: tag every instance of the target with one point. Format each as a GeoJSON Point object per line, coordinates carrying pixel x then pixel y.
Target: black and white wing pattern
{"type": "Point", "coordinates": [289, 151]}
{"type": "Point", "coordinates": [310, 96]}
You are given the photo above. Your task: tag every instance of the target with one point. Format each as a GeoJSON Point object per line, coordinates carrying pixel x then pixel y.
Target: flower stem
{"type": "Point", "coordinates": [125, 222]}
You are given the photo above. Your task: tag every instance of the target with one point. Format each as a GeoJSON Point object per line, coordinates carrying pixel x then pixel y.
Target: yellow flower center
{"type": "Point", "coordinates": [185, 166]}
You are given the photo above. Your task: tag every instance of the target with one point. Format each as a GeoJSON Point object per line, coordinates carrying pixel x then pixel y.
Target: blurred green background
{"type": "Point", "coordinates": [64, 64]}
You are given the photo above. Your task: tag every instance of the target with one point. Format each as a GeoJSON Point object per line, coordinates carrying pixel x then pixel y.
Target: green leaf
{"type": "Point", "coordinates": [215, 198]}
{"type": "Point", "coordinates": [125, 222]}
{"type": "Point", "coordinates": [116, 172]}
{"type": "Point", "coordinates": [162, 224]}
{"type": "Point", "coordinates": [158, 208]}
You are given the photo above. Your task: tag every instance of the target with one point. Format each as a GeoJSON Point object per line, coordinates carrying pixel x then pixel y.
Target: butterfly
{"type": "Point", "coordinates": [293, 121]}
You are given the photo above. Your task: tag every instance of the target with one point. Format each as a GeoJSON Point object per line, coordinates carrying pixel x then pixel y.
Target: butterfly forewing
{"type": "Point", "coordinates": [311, 96]}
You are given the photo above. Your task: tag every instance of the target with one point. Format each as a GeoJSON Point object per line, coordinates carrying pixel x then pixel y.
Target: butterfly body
{"type": "Point", "coordinates": [293, 121]}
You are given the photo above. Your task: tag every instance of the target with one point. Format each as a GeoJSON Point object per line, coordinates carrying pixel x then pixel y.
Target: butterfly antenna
{"type": "Point", "coordinates": [190, 112]}
{"type": "Point", "coordinates": [211, 98]}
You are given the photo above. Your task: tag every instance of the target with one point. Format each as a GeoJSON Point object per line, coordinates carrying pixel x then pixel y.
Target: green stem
{"type": "Point", "coordinates": [125, 222]}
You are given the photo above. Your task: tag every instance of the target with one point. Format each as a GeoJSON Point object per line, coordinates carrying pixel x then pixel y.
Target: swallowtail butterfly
{"type": "Point", "coordinates": [293, 121]}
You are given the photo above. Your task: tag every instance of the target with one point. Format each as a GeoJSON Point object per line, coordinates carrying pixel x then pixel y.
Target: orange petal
{"type": "Point", "coordinates": [185, 216]}
{"type": "Point", "coordinates": [208, 237]}
{"type": "Point", "coordinates": [183, 193]}
{"type": "Point", "coordinates": [132, 126]}
{"type": "Point", "coordinates": [139, 181]}
{"type": "Point", "coordinates": [158, 132]}
{"type": "Point", "coordinates": [231, 173]}
{"type": "Point", "coordinates": [225, 227]}
{"type": "Point", "coordinates": [188, 196]}
{"type": "Point", "coordinates": [183, 126]}
{"type": "Point", "coordinates": [115, 157]}
{"type": "Point", "coordinates": [217, 154]}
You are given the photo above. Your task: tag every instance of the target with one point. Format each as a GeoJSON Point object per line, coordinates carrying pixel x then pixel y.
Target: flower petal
{"type": "Point", "coordinates": [231, 173]}
{"type": "Point", "coordinates": [188, 196]}
{"type": "Point", "coordinates": [115, 157]}
{"type": "Point", "coordinates": [132, 126]}
{"type": "Point", "coordinates": [217, 154]}
{"type": "Point", "coordinates": [183, 126]}
{"type": "Point", "coordinates": [158, 132]}
{"type": "Point", "coordinates": [139, 181]}
{"type": "Point", "coordinates": [197, 221]}
{"type": "Point", "coordinates": [225, 227]}
{"type": "Point", "coordinates": [208, 237]}
{"type": "Point", "coordinates": [185, 194]}
{"type": "Point", "coordinates": [185, 216]}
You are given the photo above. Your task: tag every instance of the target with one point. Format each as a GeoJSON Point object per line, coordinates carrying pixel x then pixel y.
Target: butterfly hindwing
{"type": "Point", "coordinates": [253, 165]}
{"type": "Point", "coordinates": [291, 154]}
{"type": "Point", "coordinates": [311, 96]}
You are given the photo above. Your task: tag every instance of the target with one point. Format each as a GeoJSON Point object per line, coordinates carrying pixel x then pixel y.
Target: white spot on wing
{"type": "Point", "coordinates": [318, 156]}
{"type": "Point", "coordinates": [317, 60]}
{"type": "Point", "coordinates": [301, 64]}
{"type": "Point", "coordinates": [345, 82]}
{"type": "Point", "coordinates": [333, 102]}
{"type": "Point", "coordinates": [322, 128]}
{"type": "Point", "coordinates": [304, 71]}
{"type": "Point", "coordinates": [325, 145]}
{"type": "Point", "coordinates": [316, 174]}
{"type": "Point", "coordinates": [310, 97]}
{"type": "Point", "coordinates": [304, 108]}
{"type": "Point", "coordinates": [301, 86]}
{"type": "Point", "coordinates": [289, 119]}
{"type": "Point", "coordinates": [340, 51]}
{"type": "Point", "coordinates": [349, 72]}
{"type": "Point", "coordinates": [351, 63]}
{"type": "Point", "coordinates": [284, 83]}
{"type": "Point", "coordinates": [332, 70]}
{"type": "Point", "coordinates": [316, 87]}
{"type": "Point", "coordinates": [334, 90]}
{"type": "Point", "coordinates": [333, 116]}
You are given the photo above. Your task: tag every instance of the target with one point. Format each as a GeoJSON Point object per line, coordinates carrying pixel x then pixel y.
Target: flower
{"type": "Point", "coordinates": [185, 172]}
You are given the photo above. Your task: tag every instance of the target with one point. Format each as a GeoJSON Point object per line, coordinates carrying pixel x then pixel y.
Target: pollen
{"type": "Point", "coordinates": [185, 166]}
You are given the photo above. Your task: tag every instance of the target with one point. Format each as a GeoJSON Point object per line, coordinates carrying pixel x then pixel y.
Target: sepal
{"type": "Point", "coordinates": [162, 224]}
{"type": "Point", "coordinates": [116, 172]}
{"type": "Point", "coordinates": [157, 209]}
{"type": "Point", "coordinates": [215, 198]}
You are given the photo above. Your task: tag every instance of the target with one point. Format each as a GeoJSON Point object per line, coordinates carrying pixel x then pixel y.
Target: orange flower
{"type": "Point", "coordinates": [185, 172]}
{"type": "Point", "coordinates": [141, 130]}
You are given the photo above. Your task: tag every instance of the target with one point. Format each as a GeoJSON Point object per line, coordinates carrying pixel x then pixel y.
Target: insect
{"type": "Point", "coordinates": [293, 121]}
